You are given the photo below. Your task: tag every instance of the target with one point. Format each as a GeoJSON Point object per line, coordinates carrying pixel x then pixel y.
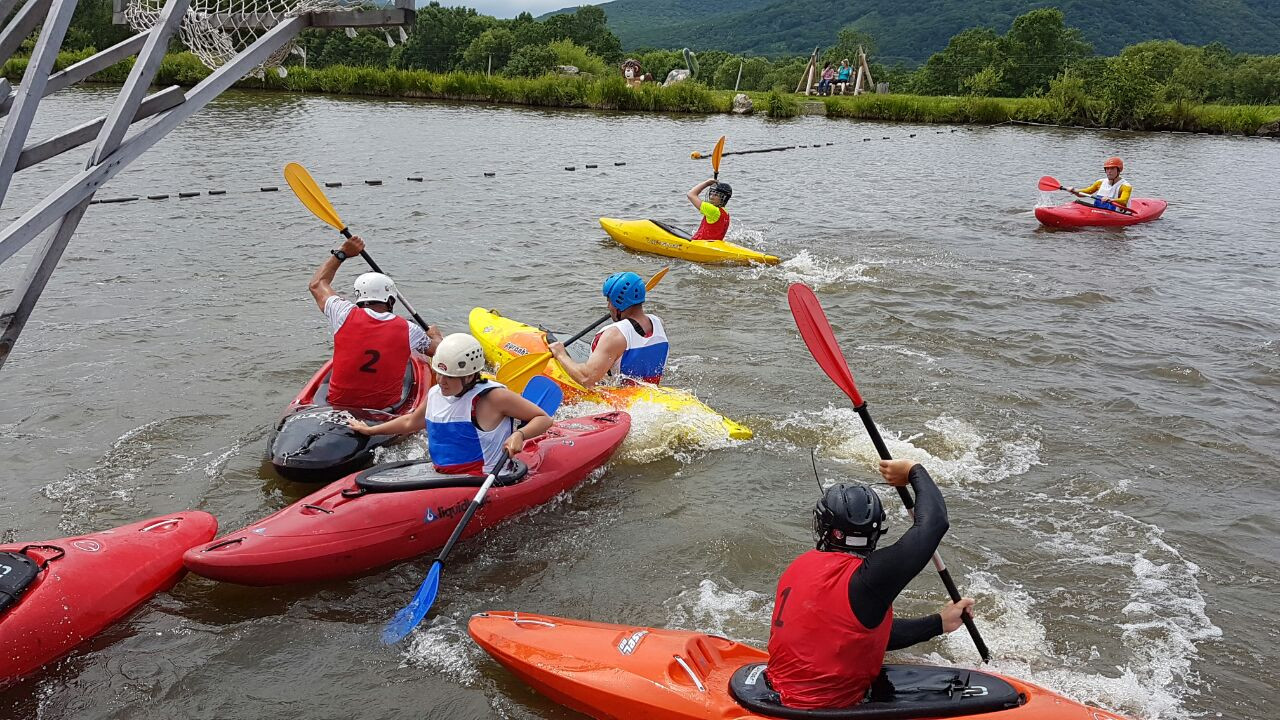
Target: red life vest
{"type": "Point", "coordinates": [713, 231]}
{"type": "Point", "coordinates": [369, 359]}
{"type": "Point", "coordinates": [820, 656]}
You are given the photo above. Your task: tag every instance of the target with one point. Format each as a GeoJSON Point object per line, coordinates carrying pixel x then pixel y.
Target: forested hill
{"type": "Point", "coordinates": [911, 31]}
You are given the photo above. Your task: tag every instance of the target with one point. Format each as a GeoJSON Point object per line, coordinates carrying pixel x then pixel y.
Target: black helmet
{"type": "Point", "coordinates": [848, 517]}
{"type": "Point", "coordinates": [721, 189]}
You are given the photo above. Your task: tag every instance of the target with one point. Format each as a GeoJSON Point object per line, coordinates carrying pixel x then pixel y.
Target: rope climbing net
{"type": "Point", "coordinates": [217, 30]}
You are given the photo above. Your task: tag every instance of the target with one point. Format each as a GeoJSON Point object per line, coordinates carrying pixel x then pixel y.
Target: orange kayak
{"type": "Point", "coordinates": [624, 671]}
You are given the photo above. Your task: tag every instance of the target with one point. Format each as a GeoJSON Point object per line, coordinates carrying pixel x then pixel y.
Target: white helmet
{"type": "Point", "coordinates": [374, 287]}
{"type": "Point", "coordinates": [458, 355]}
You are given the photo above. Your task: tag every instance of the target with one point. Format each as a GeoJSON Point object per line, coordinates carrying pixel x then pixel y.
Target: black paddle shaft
{"type": "Point", "coordinates": [910, 504]}
{"type": "Point", "coordinates": [346, 233]}
{"type": "Point", "coordinates": [476, 502]}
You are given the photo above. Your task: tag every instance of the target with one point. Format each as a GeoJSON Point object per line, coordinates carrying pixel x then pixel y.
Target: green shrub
{"type": "Point", "coordinates": [570, 53]}
{"type": "Point", "coordinates": [531, 61]}
{"type": "Point", "coordinates": [781, 104]}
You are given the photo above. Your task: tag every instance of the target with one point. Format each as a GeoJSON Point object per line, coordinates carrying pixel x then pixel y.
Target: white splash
{"type": "Point", "coordinates": [729, 611]}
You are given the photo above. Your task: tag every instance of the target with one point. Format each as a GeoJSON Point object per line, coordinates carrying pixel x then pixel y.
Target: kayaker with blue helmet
{"type": "Point", "coordinates": [1108, 192]}
{"type": "Point", "coordinates": [833, 611]}
{"type": "Point", "coordinates": [715, 219]}
{"type": "Point", "coordinates": [633, 347]}
{"type": "Point", "coordinates": [371, 344]}
{"type": "Point", "coordinates": [469, 420]}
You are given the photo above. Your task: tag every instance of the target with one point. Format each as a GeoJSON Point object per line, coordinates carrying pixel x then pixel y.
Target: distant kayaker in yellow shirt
{"type": "Point", "coordinates": [715, 219]}
{"type": "Point", "coordinates": [1109, 192]}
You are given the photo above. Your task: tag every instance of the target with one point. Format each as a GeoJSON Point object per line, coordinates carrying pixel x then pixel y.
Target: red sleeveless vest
{"type": "Point", "coordinates": [820, 656]}
{"type": "Point", "coordinates": [713, 231]}
{"type": "Point", "coordinates": [369, 359]}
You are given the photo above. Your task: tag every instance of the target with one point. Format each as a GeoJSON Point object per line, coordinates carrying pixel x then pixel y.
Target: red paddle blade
{"type": "Point", "coordinates": [1048, 183]}
{"type": "Point", "coordinates": [816, 331]}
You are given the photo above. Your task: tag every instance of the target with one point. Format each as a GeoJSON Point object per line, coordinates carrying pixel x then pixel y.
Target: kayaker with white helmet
{"type": "Point", "coordinates": [634, 346]}
{"type": "Point", "coordinates": [1107, 192]}
{"type": "Point", "coordinates": [469, 420]}
{"type": "Point", "coordinates": [833, 611]}
{"type": "Point", "coordinates": [715, 219]}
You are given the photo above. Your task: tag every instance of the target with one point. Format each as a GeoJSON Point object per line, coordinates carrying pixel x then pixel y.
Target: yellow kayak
{"type": "Point", "coordinates": [662, 239]}
{"type": "Point", "coordinates": [504, 339]}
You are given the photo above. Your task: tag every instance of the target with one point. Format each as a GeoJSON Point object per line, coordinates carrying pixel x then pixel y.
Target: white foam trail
{"type": "Point", "coordinates": [660, 431]}
{"type": "Point", "coordinates": [441, 645]}
{"type": "Point", "coordinates": [816, 272]}
{"type": "Point", "coordinates": [726, 611]}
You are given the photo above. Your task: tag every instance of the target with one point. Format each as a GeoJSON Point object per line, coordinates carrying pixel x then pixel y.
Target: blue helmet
{"type": "Point", "coordinates": [624, 289]}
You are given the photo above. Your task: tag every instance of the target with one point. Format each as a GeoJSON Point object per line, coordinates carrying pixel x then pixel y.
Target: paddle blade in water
{"type": "Point", "coordinates": [410, 615]}
{"type": "Point", "coordinates": [544, 392]}
{"type": "Point", "coordinates": [305, 187]}
{"type": "Point", "coordinates": [715, 155]}
{"type": "Point", "coordinates": [817, 335]}
{"type": "Point", "coordinates": [1049, 184]}
{"type": "Point", "coordinates": [517, 373]}
{"type": "Point", "coordinates": [657, 278]}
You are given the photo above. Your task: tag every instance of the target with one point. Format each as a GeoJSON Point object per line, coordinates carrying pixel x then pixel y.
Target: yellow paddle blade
{"type": "Point", "coordinates": [715, 155]}
{"type": "Point", "coordinates": [517, 373]}
{"type": "Point", "coordinates": [657, 278]}
{"type": "Point", "coordinates": [305, 187]}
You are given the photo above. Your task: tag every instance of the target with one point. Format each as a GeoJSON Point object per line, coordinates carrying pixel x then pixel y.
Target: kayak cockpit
{"type": "Point", "coordinates": [420, 474]}
{"type": "Point", "coordinates": [901, 692]}
{"type": "Point", "coordinates": [672, 229]}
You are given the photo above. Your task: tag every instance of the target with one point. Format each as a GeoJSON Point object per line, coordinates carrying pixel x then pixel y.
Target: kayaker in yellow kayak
{"type": "Point", "coordinates": [1109, 192]}
{"type": "Point", "coordinates": [833, 612]}
{"type": "Point", "coordinates": [715, 219]}
{"type": "Point", "coordinates": [469, 420]}
{"type": "Point", "coordinates": [634, 346]}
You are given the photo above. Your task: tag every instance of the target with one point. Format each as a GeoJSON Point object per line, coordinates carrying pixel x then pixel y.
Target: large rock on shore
{"type": "Point", "coordinates": [742, 104]}
{"type": "Point", "coordinates": [1269, 130]}
{"type": "Point", "coordinates": [676, 76]}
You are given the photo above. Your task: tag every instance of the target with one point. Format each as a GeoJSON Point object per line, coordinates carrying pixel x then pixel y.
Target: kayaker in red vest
{"type": "Point", "coordinates": [371, 344]}
{"type": "Point", "coordinates": [715, 219]}
{"type": "Point", "coordinates": [1107, 192]}
{"type": "Point", "coordinates": [833, 611]}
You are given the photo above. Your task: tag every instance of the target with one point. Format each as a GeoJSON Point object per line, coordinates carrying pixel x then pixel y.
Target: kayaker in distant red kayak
{"type": "Point", "coordinates": [715, 219]}
{"type": "Point", "coordinates": [833, 611]}
{"type": "Point", "coordinates": [469, 420]}
{"type": "Point", "coordinates": [1109, 192]}
{"type": "Point", "coordinates": [371, 347]}
{"type": "Point", "coordinates": [634, 346]}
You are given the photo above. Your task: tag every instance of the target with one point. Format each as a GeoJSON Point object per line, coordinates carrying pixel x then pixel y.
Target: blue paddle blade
{"type": "Point", "coordinates": [410, 615]}
{"type": "Point", "coordinates": [545, 393]}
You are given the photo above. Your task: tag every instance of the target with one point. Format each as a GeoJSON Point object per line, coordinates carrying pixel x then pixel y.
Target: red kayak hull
{"type": "Point", "coordinates": [100, 578]}
{"type": "Point", "coordinates": [1076, 215]}
{"type": "Point", "coordinates": [618, 672]}
{"type": "Point", "coordinates": [330, 535]}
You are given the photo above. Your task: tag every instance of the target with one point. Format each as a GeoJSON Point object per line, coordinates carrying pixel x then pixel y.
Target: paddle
{"type": "Point", "coordinates": [651, 284]}
{"type": "Point", "coordinates": [305, 187]}
{"type": "Point", "coordinates": [715, 158]}
{"type": "Point", "coordinates": [517, 373]}
{"type": "Point", "coordinates": [818, 337]}
{"type": "Point", "coordinates": [542, 392]}
{"type": "Point", "coordinates": [1048, 183]}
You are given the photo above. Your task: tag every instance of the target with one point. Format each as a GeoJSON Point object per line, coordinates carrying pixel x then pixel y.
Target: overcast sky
{"type": "Point", "coordinates": [511, 8]}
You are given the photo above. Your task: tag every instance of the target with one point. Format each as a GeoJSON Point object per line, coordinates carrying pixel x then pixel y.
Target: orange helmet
{"type": "Point", "coordinates": [1113, 162]}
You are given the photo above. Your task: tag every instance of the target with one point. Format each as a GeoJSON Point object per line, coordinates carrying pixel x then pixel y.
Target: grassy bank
{"type": "Point", "coordinates": [611, 93]}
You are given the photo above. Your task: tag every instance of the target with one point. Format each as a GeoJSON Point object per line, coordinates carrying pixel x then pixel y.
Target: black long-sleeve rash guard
{"type": "Point", "coordinates": [886, 572]}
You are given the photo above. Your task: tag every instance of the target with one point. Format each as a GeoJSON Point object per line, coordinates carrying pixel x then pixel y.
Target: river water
{"type": "Point", "coordinates": [1098, 406]}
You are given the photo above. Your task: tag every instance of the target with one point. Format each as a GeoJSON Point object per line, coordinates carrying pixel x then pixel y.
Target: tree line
{"type": "Point", "coordinates": [1038, 56]}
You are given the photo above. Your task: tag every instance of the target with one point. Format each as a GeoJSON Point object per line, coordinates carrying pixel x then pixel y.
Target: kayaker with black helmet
{"type": "Point", "coordinates": [1108, 192]}
{"type": "Point", "coordinates": [469, 420]}
{"type": "Point", "coordinates": [715, 219]}
{"type": "Point", "coordinates": [634, 346]}
{"type": "Point", "coordinates": [833, 611]}
{"type": "Point", "coordinates": [371, 344]}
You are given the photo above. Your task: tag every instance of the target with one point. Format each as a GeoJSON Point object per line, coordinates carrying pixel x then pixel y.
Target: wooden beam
{"type": "Point", "coordinates": [22, 25]}
{"type": "Point", "coordinates": [84, 68]}
{"type": "Point", "coordinates": [75, 137]}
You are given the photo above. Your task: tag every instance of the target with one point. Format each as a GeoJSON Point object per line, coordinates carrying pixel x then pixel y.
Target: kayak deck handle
{"type": "Point", "coordinates": [692, 675]}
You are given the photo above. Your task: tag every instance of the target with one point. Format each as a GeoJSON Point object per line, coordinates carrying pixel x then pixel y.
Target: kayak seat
{"type": "Point", "coordinates": [421, 475]}
{"type": "Point", "coordinates": [901, 692]}
{"type": "Point", "coordinates": [683, 234]}
{"type": "Point", "coordinates": [406, 391]}
{"type": "Point", "coordinates": [17, 572]}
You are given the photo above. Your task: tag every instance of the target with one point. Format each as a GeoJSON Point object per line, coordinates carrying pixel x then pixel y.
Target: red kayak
{"type": "Point", "coordinates": [398, 511]}
{"type": "Point", "coordinates": [312, 443]}
{"type": "Point", "coordinates": [624, 671]}
{"type": "Point", "coordinates": [58, 593]}
{"type": "Point", "coordinates": [1075, 215]}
